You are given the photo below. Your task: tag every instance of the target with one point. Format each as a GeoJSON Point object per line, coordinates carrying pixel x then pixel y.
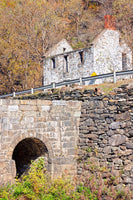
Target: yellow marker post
{"type": "Point", "coordinates": [93, 81]}
{"type": "Point", "coordinates": [94, 74]}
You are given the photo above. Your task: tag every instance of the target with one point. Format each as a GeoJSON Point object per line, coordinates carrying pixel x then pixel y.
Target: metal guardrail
{"type": "Point", "coordinates": [69, 82]}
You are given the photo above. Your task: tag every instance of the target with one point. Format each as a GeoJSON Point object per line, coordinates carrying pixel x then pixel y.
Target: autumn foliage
{"type": "Point", "coordinates": [28, 28]}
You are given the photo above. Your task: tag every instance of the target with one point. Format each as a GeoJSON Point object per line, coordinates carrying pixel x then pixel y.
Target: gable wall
{"type": "Point", "coordinates": [58, 49]}
{"type": "Point", "coordinates": [107, 53]}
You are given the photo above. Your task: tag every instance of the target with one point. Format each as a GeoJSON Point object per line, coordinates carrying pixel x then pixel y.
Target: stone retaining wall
{"type": "Point", "coordinates": [106, 135]}
{"type": "Point", "coordinates": [103, 138]}
{"type": "Point", "coordinates": [105, 131]}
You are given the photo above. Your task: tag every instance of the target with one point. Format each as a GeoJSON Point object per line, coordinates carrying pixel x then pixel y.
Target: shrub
{"type": "Point", "coordinates": [37, 185]}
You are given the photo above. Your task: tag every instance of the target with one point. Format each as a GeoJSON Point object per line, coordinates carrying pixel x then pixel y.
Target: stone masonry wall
{"type": "Point", "coordinates": [76, 67]}
{"type": "Point", "coordinates": [32, 128]}
{"type": "Point", "coordinates": [59, 48]}
{"type": "Point", "coordinates": [105, 131]}
{"type": "Point", "coordinates": [108, 54]}
{"type": "Point", "coordinates": [106, 136]}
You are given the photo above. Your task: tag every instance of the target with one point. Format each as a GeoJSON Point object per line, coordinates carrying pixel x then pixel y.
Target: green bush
{"type": "Point", "coordinates": [37, 185]}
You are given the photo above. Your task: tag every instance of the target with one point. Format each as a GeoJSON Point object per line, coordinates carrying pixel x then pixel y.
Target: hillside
{"type": "Point", "coordinates": [29, 28]}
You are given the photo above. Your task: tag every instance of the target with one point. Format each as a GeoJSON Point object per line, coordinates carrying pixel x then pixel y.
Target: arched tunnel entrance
{"type": "Point", "coordinates": [27, 150]}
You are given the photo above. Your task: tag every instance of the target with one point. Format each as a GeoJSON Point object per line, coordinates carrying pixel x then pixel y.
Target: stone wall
{"type": "Point", "coordinates": [106, 136]}
{"type": "Point", "coordinates": [76, 67]}
{"type": "Point", "coordinates": [105, 131]}
{"type": "Point", "coordinates": [33, 128]}
{"type": "Point", "coordinates": [59, 48]}
{"type": "Point", "coordinates": [98, 126]}
{"type": "Point", "coordinates": [108, 53]}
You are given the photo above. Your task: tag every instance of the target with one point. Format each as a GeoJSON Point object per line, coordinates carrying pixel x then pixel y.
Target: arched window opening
{"type": "Point", "coordinates": [27, 150]}
{"type": "Point", "coordinates": [53, 63]}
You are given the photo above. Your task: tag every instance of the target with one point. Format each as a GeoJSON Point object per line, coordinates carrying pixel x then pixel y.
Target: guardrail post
{"type": "Point", "coordinates": [32, 90]}
{"type": "Point", "coordinates": [81, 82]}
{"type": "Point", "coordinates": [53, 84]}
{"type": "Point", "coordinates": [114, 77]}
{"type": "Point", "coordinates": [14, 94]}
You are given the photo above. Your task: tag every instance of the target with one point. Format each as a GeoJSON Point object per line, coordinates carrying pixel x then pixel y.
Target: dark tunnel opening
{"type": "Point", "coordinates": [27, 150]}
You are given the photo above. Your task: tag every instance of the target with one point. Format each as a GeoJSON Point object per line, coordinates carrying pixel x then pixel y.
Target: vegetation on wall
{"type": "Point", "coordinates": [37, 185]}
{"type": "Point", "coordinates": [28, 28]}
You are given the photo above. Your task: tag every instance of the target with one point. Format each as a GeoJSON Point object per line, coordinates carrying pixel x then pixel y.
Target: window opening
{"type": "Point", "coordinates": [64, 49]}
{"type": "Point", "coordinates": [81, 54]}
{"type": "Point", "coordinates": [124, 61]}
{"type": "Point", "coordinates": [53, 62]}
{"type": "Point", "coordinates": [66, 62]}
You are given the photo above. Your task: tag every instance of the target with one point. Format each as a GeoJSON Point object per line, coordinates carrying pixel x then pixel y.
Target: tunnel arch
{"type": "Point", "coordinates": [27, 150]}
{"type": "Point", "coordinates": [18, 138]}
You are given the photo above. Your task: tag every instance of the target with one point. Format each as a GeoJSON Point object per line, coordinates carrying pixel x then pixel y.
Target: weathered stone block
{"type": "Point", "coordinates": [114, 125]}
{"type": "Point", "coordinates": [92, 136]}
{"type": "Point", "coordinates": [107, 150]}
{"type": "Point", "coordinates": [129, 145]}
{"type": "Point", "coordinates": [110, 133]}
{"type": "Point", "coordinates": [89, 122]}
{"type": "Point", "coordinates": [77, 114]}
{"type": "Point", "coordinates": [130, 133]}
{"type": "Point", "coordinates": [28, 107]}
{"type": "Point", "coordinates": [45, 108]}
{"type": "Point", "coordinates": [12, 108]}
{"type": "Point", "coordinates": [68, 144]}
{"type": "Point", "coordinates": [123, 116]}
{"type": "Point", "coordinates": [127, 152]}
{"type": "Point", "coordinates": [116, 140]}
{"type": "Point", "coordinates": [128, 180]}
{"type": "Point", "coordinates": [118, 162]}
{"type": "Point", "coordinates": [59, 103]}
{"type": "Point", "coordinates": [71, 151]}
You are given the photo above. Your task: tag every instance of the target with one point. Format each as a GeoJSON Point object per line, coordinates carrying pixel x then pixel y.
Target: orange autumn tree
{"type": "Point", "coordinates": [28, 28]}
{"type": "Point", "coordinates": [123, 10]}
{"type": "Point", "coordinates": [25, 31]}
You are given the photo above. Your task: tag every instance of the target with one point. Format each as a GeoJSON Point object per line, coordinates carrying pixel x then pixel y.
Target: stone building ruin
{"type": "Point", "coordinates": [106, 54]}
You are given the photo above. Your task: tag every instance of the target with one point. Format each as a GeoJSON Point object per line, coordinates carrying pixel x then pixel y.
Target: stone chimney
{"type": "Point", "coordinates": [109, 22]}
